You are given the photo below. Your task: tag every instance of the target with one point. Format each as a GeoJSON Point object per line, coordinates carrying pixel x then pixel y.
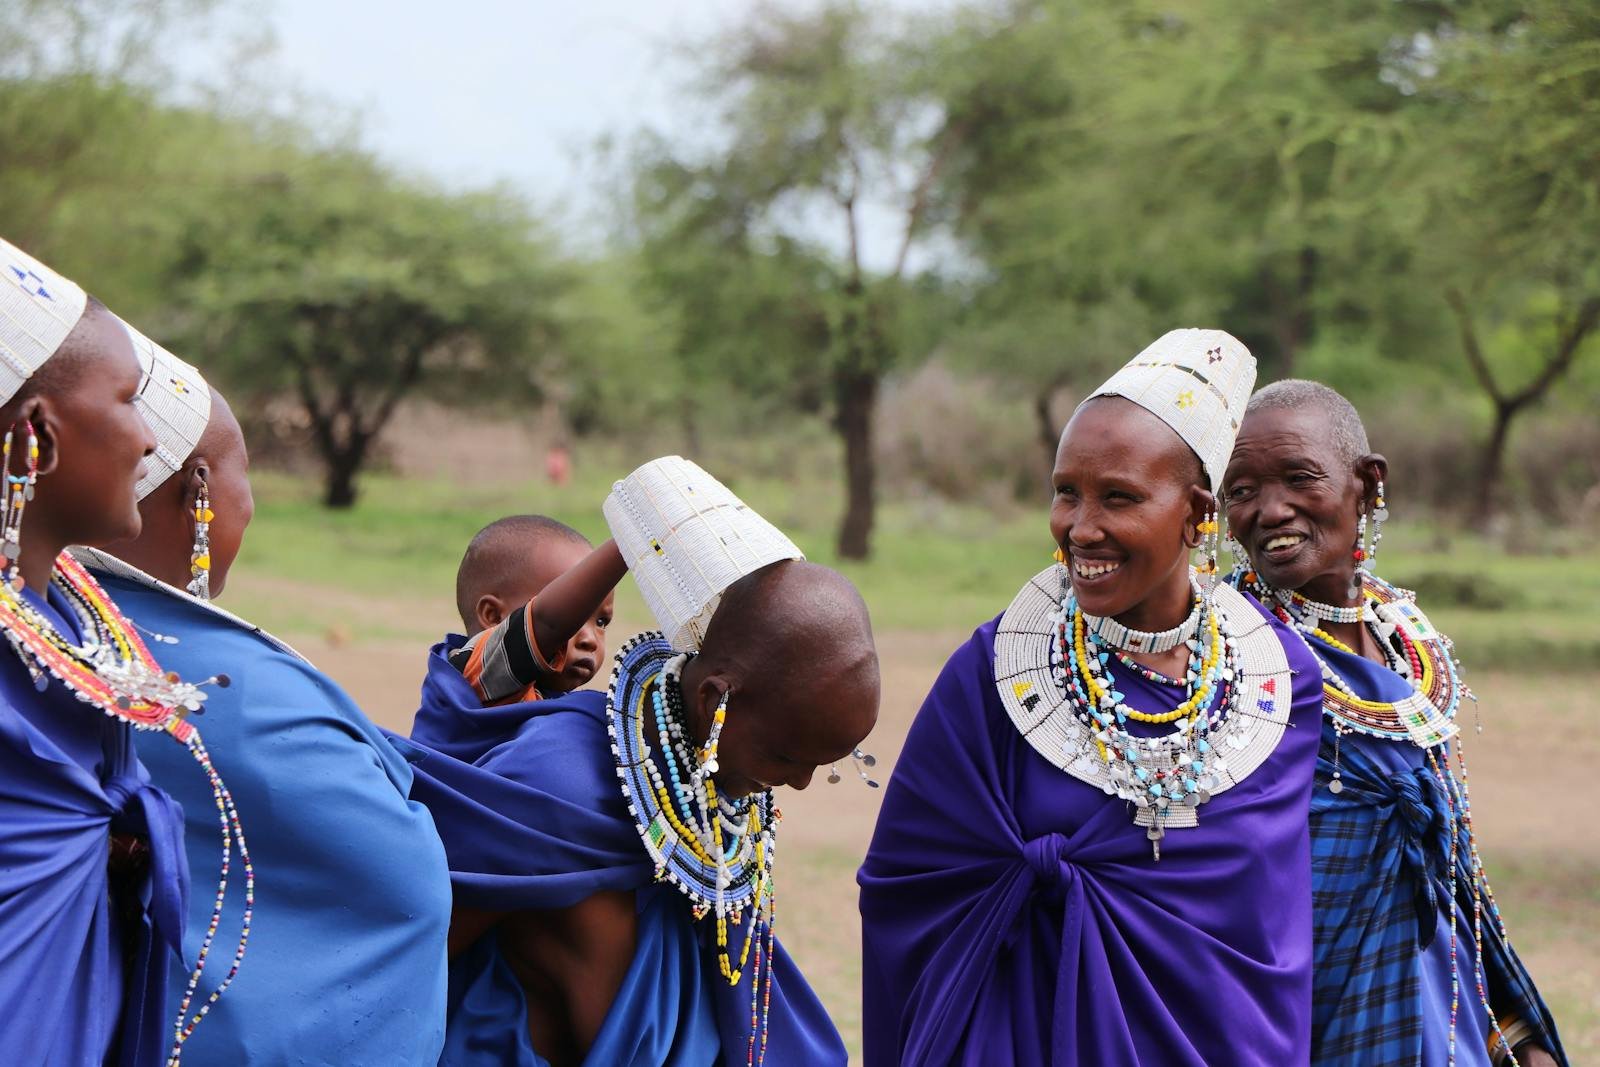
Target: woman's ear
{"type": "Point", "coordinates": [1371, 468]}
{"type": "Point", "coordinates": [1201, 504]}
{"type": "Point", "coordinates": [196, 476]}
{"type": "Point", "coordinates": [36, 412]}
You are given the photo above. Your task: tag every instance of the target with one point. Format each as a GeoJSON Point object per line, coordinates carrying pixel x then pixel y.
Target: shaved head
{"type": "Point", "coordinates": [1182, 460]}
{"type": "Point", "coordinates": [500, 557]}
{"type": "Point", "coordinates": [779, 623]}
{"type": "Point", "coordinates": [792, 647]}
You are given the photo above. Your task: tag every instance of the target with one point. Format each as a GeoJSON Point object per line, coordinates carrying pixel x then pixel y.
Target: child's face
{"type": "Point", "coordinates": [587, 649]}
{"type": "Point", "coordinates": [585, 652]}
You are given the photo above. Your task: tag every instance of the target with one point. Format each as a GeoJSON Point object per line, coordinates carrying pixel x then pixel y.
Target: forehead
{"type": "Point", "coordinates": [1284, 434]}
{"type": "Point", "coordinates": [1115, 435]}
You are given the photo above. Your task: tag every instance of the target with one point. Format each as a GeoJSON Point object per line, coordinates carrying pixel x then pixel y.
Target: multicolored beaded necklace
{"type": "Point", "coordinates": [1412, 648]}
{"type": "Point", "coordinates": [717, 852]}
{"type": "Point", "coordinates": [1423, 656]}
{"type": "Point", "coordinates": [1154, 773]}
{"type": "Point", "coordinates": [1053, 674]}
{"type": "Point", "coordinates": [114, 671]}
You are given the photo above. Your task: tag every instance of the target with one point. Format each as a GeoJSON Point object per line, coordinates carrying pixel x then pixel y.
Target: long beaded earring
{"type": "Point", "coordinates": [1366, 552]}
{"type": "Point", "coordinates": [1380, 514]}
{"type": "Point", "coordinates": [200, 555]}
{"type": "Point", "coordinates": [19, 490]}
{"type": "Point", "coordinates": [708, 753]}
{"type": "Point", "coordinates": [1210, 530]}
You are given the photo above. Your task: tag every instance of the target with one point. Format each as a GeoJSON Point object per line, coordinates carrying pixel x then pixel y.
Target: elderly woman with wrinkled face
{"type": "Point", "coordinates": [1093, 847]}
{"type": "Point", "coordinates": [1403, 917]}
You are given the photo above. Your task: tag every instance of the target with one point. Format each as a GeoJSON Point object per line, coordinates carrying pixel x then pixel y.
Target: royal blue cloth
{"type": "Point", "coordinates": [463, 729]}
{"type": "Point", "coordinates": [1380, 865]}
{"type": "Point", "coordinates": [346, 962]}
{"type": "Point", "coordinates": [69, 778]}
{"type": "Point", "coordinates": [1012, 915]}
{"type": "Point", "coordinates": [540, 822]}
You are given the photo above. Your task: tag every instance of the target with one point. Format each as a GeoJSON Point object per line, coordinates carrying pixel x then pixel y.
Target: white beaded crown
{"type": "Point", "coordinates": [38, 309]}
{"type": "Point", "coordinates": [686, 538]}
{"type": "Point", "coordinates": [1197, 382]}
{"type": "Point", "coordinates": [176, 403]}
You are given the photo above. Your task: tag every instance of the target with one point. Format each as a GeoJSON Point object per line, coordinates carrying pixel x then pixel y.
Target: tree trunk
{"type": "Point", "coordinates": [855, 401]}
{"type": "Point", "coordinates": [343, 455]}
{"type": "Point", "coordinates": [1492, 469]}
{"type": "Point", "coordinates": [1049, 432]}
{"type": "Point", "coordinates": [339, 481]}
{"type": "Point", "coordinates": [1291, 311]}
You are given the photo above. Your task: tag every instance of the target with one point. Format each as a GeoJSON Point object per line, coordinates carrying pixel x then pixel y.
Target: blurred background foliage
{"type": "Point", "coordinates": [1399, 199]}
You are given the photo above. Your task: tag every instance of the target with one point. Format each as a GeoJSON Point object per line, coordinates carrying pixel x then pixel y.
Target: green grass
{"type": "Point", "coordinates": [937, 566]}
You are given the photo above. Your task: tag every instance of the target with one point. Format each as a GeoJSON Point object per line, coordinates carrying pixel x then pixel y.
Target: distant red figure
{"type": "Point", "coordinates": [558, 465]}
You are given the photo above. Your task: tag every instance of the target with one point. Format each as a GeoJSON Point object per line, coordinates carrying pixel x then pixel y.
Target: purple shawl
{"type": "Point", "coordinates": [1013, 915]}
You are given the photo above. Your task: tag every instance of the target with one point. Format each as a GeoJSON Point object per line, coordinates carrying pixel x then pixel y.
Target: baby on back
{"type": "Point", "coordinates": [535, 599]}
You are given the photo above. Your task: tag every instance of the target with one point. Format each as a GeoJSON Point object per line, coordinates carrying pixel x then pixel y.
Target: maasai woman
{"type": "Point", "coordinates": [613, 860]}
{"type": "Point", "coordinates": [84, 945]}
{"type": "Point", "coordinates": [1393, 857]}
{"type": "Point", "coordinates": [1093, 848]}
{"type": "Point", "coordinates": [347, 962]}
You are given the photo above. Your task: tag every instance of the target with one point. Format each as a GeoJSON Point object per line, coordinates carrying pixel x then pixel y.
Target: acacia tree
{"type": "Point", "coordinates": [1140, 166]}
{"type": "Point", "coordinates": [1510, 239]}
{"type": "Point", "coordinates": [824, 119]}
{"type": "Point", "coordinates": [83, 135]}
{"type": "Point", "coordinates": [355, 289]}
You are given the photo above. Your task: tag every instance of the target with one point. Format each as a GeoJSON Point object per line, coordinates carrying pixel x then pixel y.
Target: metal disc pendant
{"type": "Point", "coordinates": [1335, 786]}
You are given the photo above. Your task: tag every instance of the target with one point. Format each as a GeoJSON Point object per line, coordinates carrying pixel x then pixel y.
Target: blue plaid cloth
{"type": "Point", "coordinates": [1380, 879]}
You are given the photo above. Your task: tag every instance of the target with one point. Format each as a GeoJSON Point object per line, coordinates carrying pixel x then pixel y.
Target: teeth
{"type": "Point", "coordinates": [1284, 542]}
{"type": "Point", "coordinates": [1086, 569]}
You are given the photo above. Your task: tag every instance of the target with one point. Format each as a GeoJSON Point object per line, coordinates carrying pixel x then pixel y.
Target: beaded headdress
{"type": "Point", "coordinates": [176, 403]}
{"type": "Point", "coordinates": [38, 309]}
{"type": "Point", "coordinates": [1197, 382]}
{"type": "Point", "coordinates": [686, 538]}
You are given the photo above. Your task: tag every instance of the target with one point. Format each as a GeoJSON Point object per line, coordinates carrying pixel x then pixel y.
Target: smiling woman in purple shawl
{"type": "Point", "coordinates": [1093, 848]}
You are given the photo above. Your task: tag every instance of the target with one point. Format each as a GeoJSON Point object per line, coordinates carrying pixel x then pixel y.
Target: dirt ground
{"type": "Point", "coordinates": [1540, 741]}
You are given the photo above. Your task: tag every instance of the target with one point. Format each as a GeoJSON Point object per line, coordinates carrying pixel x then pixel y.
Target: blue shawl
{"type": "Point", "coordinates": [539, 821]}
{"type": "Point", "coordinates": [69, 778]}
{"type": "Point", "coordinates": [346, 963]}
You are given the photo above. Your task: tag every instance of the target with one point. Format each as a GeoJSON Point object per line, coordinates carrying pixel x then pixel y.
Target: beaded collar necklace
{"type": "Point", "coordinates": [1125, 639]}
{"type": "Point", "coordinates": [715, 851]}
{"type": "Point", "coordinates": [1361, 612]}
{"type": "Point", "coordinates": [1054, 677]}
{"type": "Point", "coordinates": [1412, 648]}
{"type": "Point", "coordinates": [114, 671]}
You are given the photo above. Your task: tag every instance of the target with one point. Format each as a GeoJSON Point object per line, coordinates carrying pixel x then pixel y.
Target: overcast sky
{"type": "Point", "coordinates": [479, 91]}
